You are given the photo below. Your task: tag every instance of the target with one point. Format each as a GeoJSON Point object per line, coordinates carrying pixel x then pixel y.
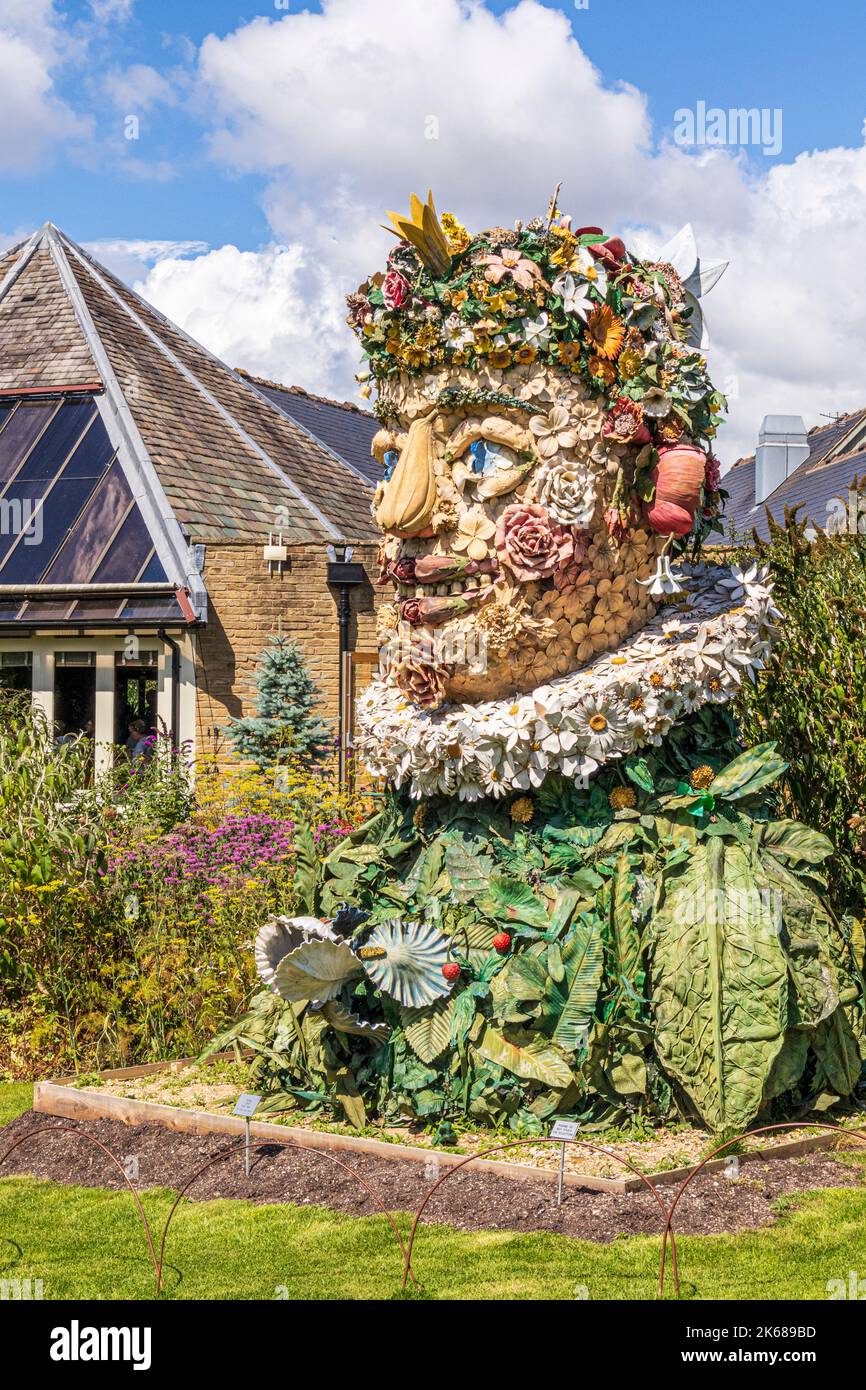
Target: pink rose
{"type": "Point", "coordinates": [395, 290]}
{"type": "Point", "coordinates": [531, 544]}
{"type": "Point", "coordinates": [420, 681]}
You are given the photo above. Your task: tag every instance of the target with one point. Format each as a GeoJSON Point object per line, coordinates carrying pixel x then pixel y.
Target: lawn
{"type": "Point", "coordinates": [89, 1243]}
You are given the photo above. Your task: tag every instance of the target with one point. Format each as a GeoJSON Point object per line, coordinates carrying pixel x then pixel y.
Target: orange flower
{"type": "Point", "coordinates": [569, 353]}
{"type": "Point", "coordinates": [525, 354]}
{"type": "Point", "coordinates": [605, 371]}
{"type": "Point", "coordinates": [606, 332]}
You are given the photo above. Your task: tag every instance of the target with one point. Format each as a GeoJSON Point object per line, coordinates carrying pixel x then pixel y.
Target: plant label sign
{"type": "Point", "coordinates": [247, 1104]}
{"type": "Point", "coordinates": [565, 1129]}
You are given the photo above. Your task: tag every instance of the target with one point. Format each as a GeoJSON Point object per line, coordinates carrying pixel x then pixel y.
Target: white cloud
{"type": "Point", "coordinates": [108, 11]}
{"type": "Point", "coordinates": [33, 44]}
{"type": "Point", "coordinates": [133, 260]}
{"type": "Point", "coordinates": [138, 88]}
{"type": "Point", "coordinates": [270, 311]}
{"type": "Point", "coordinates": [333, 110]}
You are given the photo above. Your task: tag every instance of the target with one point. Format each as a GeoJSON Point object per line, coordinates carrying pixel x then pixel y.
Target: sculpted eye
{"type": "Point", "coordinates": [488, 457]}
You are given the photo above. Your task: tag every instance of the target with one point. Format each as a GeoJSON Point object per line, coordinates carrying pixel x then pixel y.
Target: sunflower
{"type": "Point", "coordinates": [500, 358]}
{"type": "Point", "coordinates": [525, 354]}
{"type": "Point", "coordinates": [606, 332]}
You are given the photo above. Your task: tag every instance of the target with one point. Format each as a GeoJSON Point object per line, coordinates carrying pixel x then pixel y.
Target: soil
{"type": "Point", "coordinates": [713, 1203]}
{"type": "Point", "coordinates": [215, 1087]}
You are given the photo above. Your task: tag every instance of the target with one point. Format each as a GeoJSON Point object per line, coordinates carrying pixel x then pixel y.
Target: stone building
{"type": "Point", "coordinates": [161, 515]}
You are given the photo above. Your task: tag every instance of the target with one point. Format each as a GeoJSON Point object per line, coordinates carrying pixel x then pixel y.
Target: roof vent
{"type": "Point", "coordinates": [782, 447]}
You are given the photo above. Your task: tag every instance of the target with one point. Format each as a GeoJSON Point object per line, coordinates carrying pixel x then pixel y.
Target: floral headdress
{"type": "Point", "coordinates": [543, 291]}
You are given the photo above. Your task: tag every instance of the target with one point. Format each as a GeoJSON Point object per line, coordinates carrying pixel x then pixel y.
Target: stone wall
{"type": "Point", "coordinates": [247, 605]}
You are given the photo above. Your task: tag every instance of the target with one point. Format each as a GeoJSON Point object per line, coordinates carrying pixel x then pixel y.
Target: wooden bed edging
{"type": "Point", "coordinates": [64, 1100]}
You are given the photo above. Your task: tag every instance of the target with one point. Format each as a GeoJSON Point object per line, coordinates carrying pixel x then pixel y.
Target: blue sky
{"type": "Point", "coordinates": [272, 137]}
{"type": "Point", "coordinates": [802, 58]}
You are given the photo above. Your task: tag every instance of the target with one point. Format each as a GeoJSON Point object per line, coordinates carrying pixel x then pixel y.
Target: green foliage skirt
{"type": "Point", "coordinates": [658, 943]}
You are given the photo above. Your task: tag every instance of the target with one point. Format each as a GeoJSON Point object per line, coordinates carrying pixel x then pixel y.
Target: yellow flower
{"type": "Point", "coordinates": [522, 810]}
{"type": "Point", "coordinates": [500, 358]}
{"type": "Point", "coordinates": [525, 354]}
{"type": "Point", "coordinates": [621, 798]}
{"type": "Point", "coordinates": [629, 363]}
{"type": "Point", "coordinates": [455, 233]}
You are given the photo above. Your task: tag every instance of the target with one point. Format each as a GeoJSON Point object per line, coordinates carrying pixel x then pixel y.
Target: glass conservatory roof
{"type": "Point", "coordinates": [68, 517]}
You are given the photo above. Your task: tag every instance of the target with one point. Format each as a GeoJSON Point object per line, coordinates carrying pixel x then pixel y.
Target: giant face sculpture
{"type": "Point", "coordinates": [505, 571]}
{"type": "Point", "coordinates": [546, 435]}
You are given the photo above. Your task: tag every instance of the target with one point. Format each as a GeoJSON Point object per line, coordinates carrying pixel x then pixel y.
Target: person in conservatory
{"type": "Point", "coordinates": [580, 896]}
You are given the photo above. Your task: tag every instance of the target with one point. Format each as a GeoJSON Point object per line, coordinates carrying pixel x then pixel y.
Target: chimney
{"type": "Point", "coordinates": [782, 447]}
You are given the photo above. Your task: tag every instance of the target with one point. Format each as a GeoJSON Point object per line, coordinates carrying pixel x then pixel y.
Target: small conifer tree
{"type": "Point", "coordinates": [284, 724]}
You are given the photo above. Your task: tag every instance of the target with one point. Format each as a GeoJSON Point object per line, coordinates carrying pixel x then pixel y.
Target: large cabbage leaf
{"type": "Point", "coordinates": [720, 984]}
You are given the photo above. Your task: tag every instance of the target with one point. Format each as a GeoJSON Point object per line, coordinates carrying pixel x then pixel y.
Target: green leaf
{"type": "Point", "coordinates": [510, 900]}
{"type": "Point", "coordinates": [575, 998]}
{"type": "Point", "coordinates": [428, 1031]}
{"type": "Point", "coordinates": [350, 1098]}
{"type": "Point", "coordinates": [795, 842]}
{"type": "Point", "coordinates": [533, 1060]}
{"type": "Point", "coordinates": [638, 771]}
{"type": "Point", "coordinates": [316, 970]}
{"type": "Point", "coordinates": [838, 1055]}
{"type": "Point", "coordinates": [625, 966]}
{"type": "Point", "coordinates": [469, 871]}
{"type": "Point", "coordinates": [721, 985]}
{"type": "Point", "coordinates": [306, 869]}
{"type": "Point", "coordinates": [749, 772]}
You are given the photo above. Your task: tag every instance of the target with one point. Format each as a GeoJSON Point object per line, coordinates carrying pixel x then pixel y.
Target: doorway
{"type": "Point", "coordinates": [136, 687]}
{"type": "Point", "coordinates": [74, 693]}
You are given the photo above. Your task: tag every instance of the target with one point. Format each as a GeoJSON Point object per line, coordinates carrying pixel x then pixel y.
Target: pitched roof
{"type": "Point", "coordinates": [825, 475]}
{"type": "Point", "coordinates": [341, 426]}
{"type": "Point", "coordinates": [215, 457]}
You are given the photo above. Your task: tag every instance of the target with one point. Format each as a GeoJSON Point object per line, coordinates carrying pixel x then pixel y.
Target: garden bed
{"type": "Point", "coordinates": [472, 1200]}
{"type": "Point", "coordinates": [186, 1097]}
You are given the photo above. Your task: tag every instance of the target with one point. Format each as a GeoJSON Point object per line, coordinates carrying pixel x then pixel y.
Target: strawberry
{"type": "Point", "coordinates": [502, 942]}
{"type": "Point", "coordinates": [451, 970]}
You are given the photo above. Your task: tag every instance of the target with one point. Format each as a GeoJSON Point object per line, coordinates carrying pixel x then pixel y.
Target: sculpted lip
{"type": "Point", "coordinates": [432, 611]}
{"type": "Point", "coordinates": [437, 569]}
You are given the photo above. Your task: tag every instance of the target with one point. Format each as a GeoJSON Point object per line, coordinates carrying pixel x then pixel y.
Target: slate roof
{"type": "Point", "coordinates": [826, 474]}
{"type": "Point", "coordinates": [217, 457]}
{"type": "Point", "coordinates": [341, 426]}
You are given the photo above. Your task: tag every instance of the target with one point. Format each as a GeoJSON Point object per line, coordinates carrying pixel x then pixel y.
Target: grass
{"type": "Point", "coordinates": [88, 1243]}
{"type": "Point", "coordinates": [15, 1098]}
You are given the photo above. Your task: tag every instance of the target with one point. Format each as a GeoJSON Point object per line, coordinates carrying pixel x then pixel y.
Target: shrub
{"type": "Point", "coordinates": [812, 696]}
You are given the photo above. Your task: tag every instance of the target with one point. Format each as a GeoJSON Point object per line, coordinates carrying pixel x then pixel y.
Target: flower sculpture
{"type": "Point", "coordinates": [581, 895]}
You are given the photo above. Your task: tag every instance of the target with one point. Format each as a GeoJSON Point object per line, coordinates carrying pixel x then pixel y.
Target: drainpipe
{"type": "Point", "coordinates": [344, 576]}
{"type": "Point", "coordinates": [175, 686]}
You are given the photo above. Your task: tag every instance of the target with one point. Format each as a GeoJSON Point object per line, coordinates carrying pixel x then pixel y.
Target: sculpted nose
{"type": "Point", "coordinates": [410, 495]}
